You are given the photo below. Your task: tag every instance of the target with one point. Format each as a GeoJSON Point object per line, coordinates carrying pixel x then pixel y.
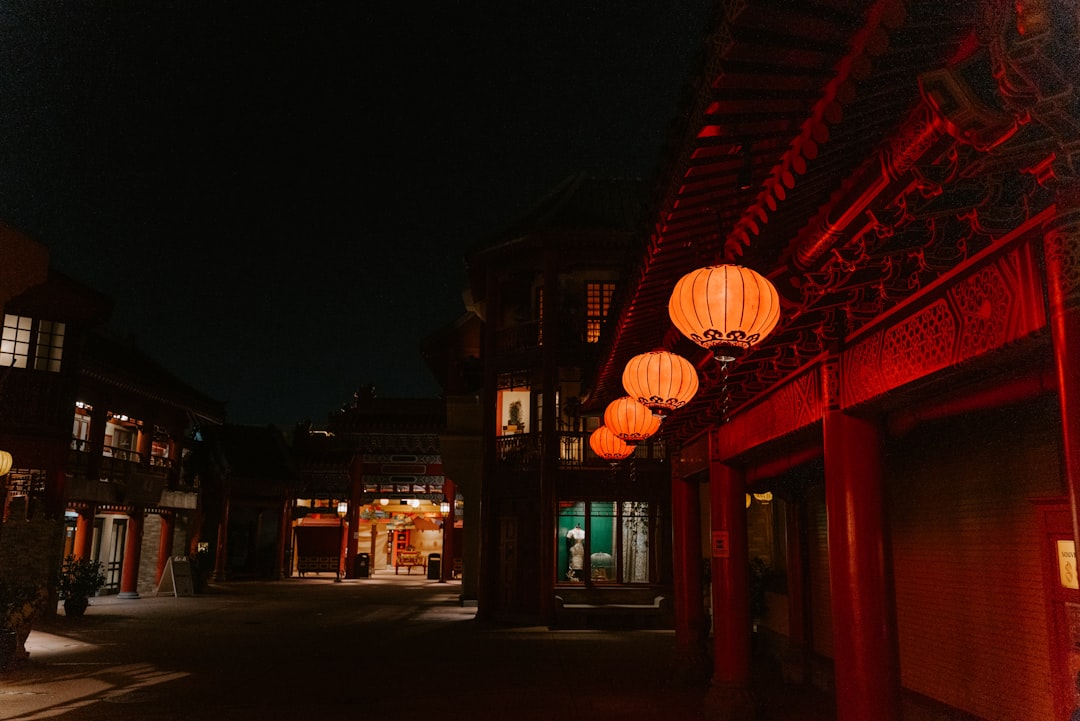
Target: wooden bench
{"type": "Point", "coordinates": [408, 559]}
{"type": "Point", "coordinates": [613, 614]}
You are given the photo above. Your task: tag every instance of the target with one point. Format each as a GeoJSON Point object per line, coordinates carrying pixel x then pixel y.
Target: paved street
{"type": "Point", "coordinates": [388, 647]}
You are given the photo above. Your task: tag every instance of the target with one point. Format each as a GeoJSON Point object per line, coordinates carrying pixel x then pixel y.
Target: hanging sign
{"type": "Point", "coordinates": [1066, 553]}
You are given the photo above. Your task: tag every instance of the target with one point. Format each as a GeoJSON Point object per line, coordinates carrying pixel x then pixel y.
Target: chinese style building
{"type": "Point", "coordinates": [371, 492]}
{"type": "Point", "coordinates": [899, 456]}
{"type": "Point", "coordinates": [567, 536]}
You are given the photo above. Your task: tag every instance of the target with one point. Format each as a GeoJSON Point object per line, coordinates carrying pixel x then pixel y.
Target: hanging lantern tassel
{"type": "Point", "coordinates": [660, 380]}
{"type": "Point", "coordinates": [725, 308]}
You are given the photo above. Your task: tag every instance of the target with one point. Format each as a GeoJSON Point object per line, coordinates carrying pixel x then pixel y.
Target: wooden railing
{"type": "Point", "coordinates": [524, 450]}
{"type": "Point", "coordinates": [518, 338]}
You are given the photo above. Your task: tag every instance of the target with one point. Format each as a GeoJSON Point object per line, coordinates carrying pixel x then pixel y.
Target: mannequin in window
{"type": "Point", "coordinates": [575, 542]}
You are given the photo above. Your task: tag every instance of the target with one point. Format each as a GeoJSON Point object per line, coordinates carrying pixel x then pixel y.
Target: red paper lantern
{"type": "Point", "coordinates": [660, 380]}
{"type": "Point", "coordinates": [630, 420]}
{"type": "Point", "coordinates": [724, 308]}
{"type": "Point", "coordinates": [608, 445]}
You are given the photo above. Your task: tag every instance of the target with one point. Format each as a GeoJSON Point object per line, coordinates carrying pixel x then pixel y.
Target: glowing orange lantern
{"type": "Point", "coordinates": [608, 445]}
{"type": "Point", "coordinates": [630, 420]}
{"type": "Point", "coordinates": [5, 462]}
{"type": "Point", "coordinates": [660, 380]}
{"type": "Point", "coordinates": [724, 308]}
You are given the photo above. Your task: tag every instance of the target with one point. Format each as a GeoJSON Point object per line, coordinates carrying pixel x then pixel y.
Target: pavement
{"type": "Point", "coordinates": [379, 649]}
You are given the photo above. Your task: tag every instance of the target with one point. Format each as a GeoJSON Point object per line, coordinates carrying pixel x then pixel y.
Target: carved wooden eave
{"type": "Point", "coordinates": [892, 146]}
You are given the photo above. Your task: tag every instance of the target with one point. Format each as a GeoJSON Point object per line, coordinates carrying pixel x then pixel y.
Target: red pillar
{"type": "Point", "coordinates": [866, 655]}
{"type": "Point", "coordinates": [129, 575]}
{"type": "Point", "coordinates": [1061, 248]}
{"type": "Point", "coordinates": [165, 544]}
{"type": "Point", "coordinates": [84, 533]}
{"type": "Point", "coordinates": [729, 696]}
{"type": "Point", "coordinates": [690, 632]}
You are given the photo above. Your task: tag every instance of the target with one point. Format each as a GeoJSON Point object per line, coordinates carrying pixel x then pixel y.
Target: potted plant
{"type": "Point", "coordinates": [80, 578]}
{"type": "Point", "coordinates": [20, 605]}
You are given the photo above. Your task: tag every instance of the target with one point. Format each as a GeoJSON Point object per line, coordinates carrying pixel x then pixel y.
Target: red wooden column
{"type": "Point", "coordinates": [129, 574]}
{"type": "Point", "coordinates": [866, 654]}
{"type": "Point", "coordinates": [1061, 247]}
{"type": "Point", "coordinates": [729, 697]}
{"type": "Point", "coordinates": [165, 544]}
{"type": "Point", "coordinates": [84, 532]}
{"type": "Point", "coordinates": [690, 630]}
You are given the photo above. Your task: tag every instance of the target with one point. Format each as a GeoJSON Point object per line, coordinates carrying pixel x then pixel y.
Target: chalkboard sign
{"type": "Point", "coordinates": [177, 577]}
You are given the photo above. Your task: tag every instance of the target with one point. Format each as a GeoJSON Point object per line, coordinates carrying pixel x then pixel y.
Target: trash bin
{"type": "Point", "coordinates": [363, 565]}
{"type": "Point", "coordinates": [434, 566]}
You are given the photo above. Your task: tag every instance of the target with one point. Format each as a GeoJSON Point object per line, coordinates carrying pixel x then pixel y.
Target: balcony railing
{"type": "Point", "coordinates": [524, 449]}
{"type": "Point", "coordinates": [518, 338]}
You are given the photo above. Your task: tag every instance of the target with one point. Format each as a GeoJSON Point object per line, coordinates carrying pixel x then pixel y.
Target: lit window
{"type": "Point", "coordinates": [15, 341]}
{"type": "Point", "coordinates": [50, 346]}
{"type": "Point", "coordinates": [597, 305]}
{"type": "Point", "coordinates": [21, 333]}
{"type": "Point", "coordinates": [605, 541]}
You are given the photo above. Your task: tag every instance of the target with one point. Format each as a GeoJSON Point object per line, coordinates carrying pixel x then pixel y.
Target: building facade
{"type": "Point", "coordinates": [561, 527]}
{"type": "Point", "coordinates": [899, 455]}
{"type": "Point", "coordinates": [371, 492]}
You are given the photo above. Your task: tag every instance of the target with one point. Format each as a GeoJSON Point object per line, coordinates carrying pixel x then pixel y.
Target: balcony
{"type": "Point", "coordinates": [523, 451]}
{"type": "Point", "coordinates": [518, 339]}
{"type": "Point", "coordinates": [120, 475]}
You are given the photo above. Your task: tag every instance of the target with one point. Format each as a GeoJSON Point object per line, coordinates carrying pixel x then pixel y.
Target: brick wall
{"type": "Point", "coordinates": [965, 539]}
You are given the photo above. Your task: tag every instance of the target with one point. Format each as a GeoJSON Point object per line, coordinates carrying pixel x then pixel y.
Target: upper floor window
{"type": "Point", "coordinates": [23, 339]}
{"type": "Point", "coordinates": [597, 305]}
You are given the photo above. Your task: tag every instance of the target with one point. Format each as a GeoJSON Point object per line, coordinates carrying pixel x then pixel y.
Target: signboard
{"type": "Point", "coordinates": [720, 548]}
{"type": "Point", "coordinates": [176, 578]}
{"type": "Point", "coordinates": [1066, 556]}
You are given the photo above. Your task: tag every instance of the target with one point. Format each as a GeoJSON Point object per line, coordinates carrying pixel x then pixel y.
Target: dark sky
{"type": "Point", "coordinates": [278, 195]}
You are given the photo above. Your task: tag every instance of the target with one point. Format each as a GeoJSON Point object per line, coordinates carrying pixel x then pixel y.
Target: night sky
{"type": "Point", "coordinates": [278, 195]}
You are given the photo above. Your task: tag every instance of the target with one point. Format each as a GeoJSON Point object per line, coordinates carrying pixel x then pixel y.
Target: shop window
{"type": "Point", "coordinates": [23, 338]}
{"type": "Point", "coordinates": [605, 542]}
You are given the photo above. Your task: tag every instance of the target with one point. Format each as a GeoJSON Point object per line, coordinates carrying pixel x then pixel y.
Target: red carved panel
{"type": "Point", "coordinates": [991, 305]}
{"type": "Point", "coordinates": [792, 406]}
{"type": "Point", "coordinates": [918, 346]}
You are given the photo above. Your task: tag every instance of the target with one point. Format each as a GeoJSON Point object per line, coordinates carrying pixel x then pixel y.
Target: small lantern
{"type": "Point", "coordinates": [660, 380]}
{"type": "Point", "coordinates": [630, 420]}
{"type": "Point", "coordinates": [724, 308]}
{"type": "Point", "coordinates": [608, 445]}
{"type": "Point", "coordinates": [5, 462]}
{"type": "Point", "coordinates": [342, 509]}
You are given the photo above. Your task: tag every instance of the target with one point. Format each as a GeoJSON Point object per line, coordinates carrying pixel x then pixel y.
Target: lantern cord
{"type": "Point", "coordinates": [725, 393]}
